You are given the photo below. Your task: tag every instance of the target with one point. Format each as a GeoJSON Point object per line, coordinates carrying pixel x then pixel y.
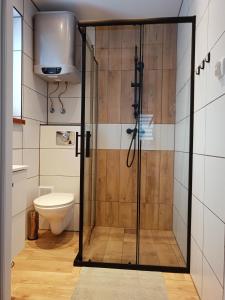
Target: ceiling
{"type": "Point", "coordinates": [95, 10]}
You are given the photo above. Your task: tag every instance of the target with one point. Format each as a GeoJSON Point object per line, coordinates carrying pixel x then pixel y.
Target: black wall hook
{"type": "Point", "coordinates": [208, 58]}
{"type": "Point", "coordinates": [197, 71]}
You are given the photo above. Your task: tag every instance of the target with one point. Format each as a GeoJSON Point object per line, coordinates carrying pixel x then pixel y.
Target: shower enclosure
{"type": "Point", "coordinates": [136, 144]}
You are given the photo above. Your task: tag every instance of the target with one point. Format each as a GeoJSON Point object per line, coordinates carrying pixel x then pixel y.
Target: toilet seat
{"type": "Point", "coordinates": [54, 200]}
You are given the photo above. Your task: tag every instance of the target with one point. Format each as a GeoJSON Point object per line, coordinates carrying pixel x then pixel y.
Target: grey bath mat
{"type": "Point", "coordinates": [111, 284]}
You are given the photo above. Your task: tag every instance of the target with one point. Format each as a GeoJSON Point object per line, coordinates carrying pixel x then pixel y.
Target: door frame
{"type": "Point", "coordinates": [171, 20]}
{"type": "Point", "coordinates": [6, 104]}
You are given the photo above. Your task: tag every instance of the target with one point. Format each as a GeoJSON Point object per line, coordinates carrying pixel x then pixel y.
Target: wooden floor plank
{"type": "Point", "coordinates": [47, 273]}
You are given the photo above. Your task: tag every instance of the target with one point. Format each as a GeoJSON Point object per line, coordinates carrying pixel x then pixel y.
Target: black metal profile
{"type": "Point", "coordinates": [82, 144]}
{"type": "Point", "coordinates": [79, 259]}
{"type": "Point", "coordinates": [191, 141]}
{"type": "Point", "coordinates": [137, 21]}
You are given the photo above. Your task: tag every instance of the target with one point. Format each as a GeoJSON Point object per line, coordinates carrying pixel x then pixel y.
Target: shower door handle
{"type": "Point", "coordinates": [88, 143]}
{"type": "Point", "coordinates": [77, 143]}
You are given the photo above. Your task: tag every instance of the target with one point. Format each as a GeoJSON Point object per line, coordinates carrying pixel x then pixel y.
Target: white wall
{"type": "Point", "coordinates": [208, 216]}
{"type": "Point", "coordinates": [26, 138]}
{"type": "Point", "coordinates": [60, 168]}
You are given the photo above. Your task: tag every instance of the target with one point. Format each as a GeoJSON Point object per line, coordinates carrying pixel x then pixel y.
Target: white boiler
{"type": "Point", "coordinates": [57, 46]}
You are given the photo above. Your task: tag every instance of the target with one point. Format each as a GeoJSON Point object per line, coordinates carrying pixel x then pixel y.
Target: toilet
{"type": "Point", "coordinates": [56, 208]}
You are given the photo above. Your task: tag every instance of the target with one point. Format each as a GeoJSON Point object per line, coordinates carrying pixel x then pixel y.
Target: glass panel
{"type": "Point", "coordinates": [164, 155]}
{"type": "Point", "coordinates": [113, 239]}
{"type": "Point", "coordinates": [90, 141]}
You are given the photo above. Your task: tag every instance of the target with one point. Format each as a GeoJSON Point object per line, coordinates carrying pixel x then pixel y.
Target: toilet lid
{"type": "Point", "coordinates": [54, 199]}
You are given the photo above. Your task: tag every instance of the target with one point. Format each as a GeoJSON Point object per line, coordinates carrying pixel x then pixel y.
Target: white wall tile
{"type": "Point", "coordinates": [215, 124]}
{"type": "Point", "coordinates": [199, 131]}
{"type": "Point", "coordinates": [184, 70]}
{"type": "Point", "coordinates": [216, 21]}
{"type": "Point", "coordinates": [59, 162]}
{"type": "Point", "coordinates": [31, 134]}
{"type": "Point", "coordinates": [63, 184]}
{"type": "Point", "coordinates": [215, 87]}
{"type": "Point", "coordinates": [48, 136]}
{"type": "Point", "coordinates": [197, 8]}
{"type": "Point", "coordinates": [72, 107]}
{"type": "Point", "coordinates": [17, 136]}
{"type": "Point", "coordinates": [182, 130]}
{"type": "Point", "coordinates": [29, 11]}
{"type": "Point", "coordinates": [74, 225]}
{"type": "Point", "coordinates": [213, 248]}
{"type": "Point", "coordinates": [181, 167]}
{"type": "Point", "coordinates": [197, 222]}
{"type": "Point", "coordinates": [27, 40]}
{"type": "Point", "coordinates": [30, 79]}
{"type": "Point", "coordinates": [31, 159]}
{"type": "Point", "coordinates": [211, 288]}
{"type": "Point", "coordinates": [109, 136]}
{"type": "Point", "coordinates": [198, 176]}
{"type": "Point", "coordinates": [183, 103]}
{"type": "Point", "coordinates": [202, 38]}
{"type": "Point", "coordinates": [215, 185]}
{"type": "Point", "coordinates": [196, 266]}
{"type": "Point", "coordinates": [181, 200]}
{"type": "Point", "coordinates": [32, 190]}
{"type": "Point", "coordinates": [17, 158]}
{"type": "Point", "coordinates": [34, 105]}
{"type": "Point", "coordinates": [73, 90]}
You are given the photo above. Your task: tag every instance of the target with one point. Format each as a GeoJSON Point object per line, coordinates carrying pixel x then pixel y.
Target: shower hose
{"type": "Point", "coordinates": [132, 142]}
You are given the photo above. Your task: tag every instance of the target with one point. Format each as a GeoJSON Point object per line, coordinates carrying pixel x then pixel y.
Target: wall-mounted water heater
{"type": "Point", "coordinates": [57, 46]}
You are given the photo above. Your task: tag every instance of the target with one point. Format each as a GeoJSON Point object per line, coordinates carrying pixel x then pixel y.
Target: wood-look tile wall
{"type": "Point", "coordinates": [115, 48]}
{"type": "Point", "coordinates": [116, 184]}
{"type": "Point", "coordinates": [116, 190]}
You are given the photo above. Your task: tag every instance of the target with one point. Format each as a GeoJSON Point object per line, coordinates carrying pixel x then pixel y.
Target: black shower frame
{"type": "Point", "coordinates": [171, 20]}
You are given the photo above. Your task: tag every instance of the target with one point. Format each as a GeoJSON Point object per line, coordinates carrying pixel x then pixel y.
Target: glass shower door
{"type": "Point", "coordinates": [164, 145]}
{"type": "Point", "coordinates": [89, 131]}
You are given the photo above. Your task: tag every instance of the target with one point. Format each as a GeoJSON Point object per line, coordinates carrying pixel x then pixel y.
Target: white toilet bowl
{"type": "Point", "coordinates": [56, 208]}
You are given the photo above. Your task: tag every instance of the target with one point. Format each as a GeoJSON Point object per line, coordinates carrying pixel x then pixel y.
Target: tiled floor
{"type": "Point", "coordinates": [110, 244]}
{"type": "Point", "coordinates": [44, 271]}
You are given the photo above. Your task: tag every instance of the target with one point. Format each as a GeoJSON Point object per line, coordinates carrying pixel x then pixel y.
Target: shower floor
{"type": "Point", "coordinates": [118, 245]}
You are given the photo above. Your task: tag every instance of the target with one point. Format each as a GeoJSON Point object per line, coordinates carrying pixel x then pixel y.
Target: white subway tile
{"type": "Point", "coordinates": [215, 124]}
{"type": "Point", "coordinates": [63, 184]}
{"type": "Point", "coordinates": [197, 222]}
{"type": "Point", "coordinates": [196, 266]}
{"type": "Point", "coordinates": [31, 159]}
{"type": "Point", "coordinates": [215, 185]}
{"type": "Point", "coordinates": [59, 162]}
{"type": "Point", "coordinates": [213, 248]}
{"type": "Point", "coordinates": [211, 288]}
